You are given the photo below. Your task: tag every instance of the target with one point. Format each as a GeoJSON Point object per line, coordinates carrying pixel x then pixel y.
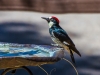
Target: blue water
{"type": "Point", "coordinates": [5, 54]}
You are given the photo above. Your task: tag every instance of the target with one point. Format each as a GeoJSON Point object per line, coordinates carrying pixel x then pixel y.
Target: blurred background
{"type": "Point", "coordinates": [20, 22]}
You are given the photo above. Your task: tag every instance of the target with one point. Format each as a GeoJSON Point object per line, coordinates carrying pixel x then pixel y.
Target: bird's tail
{"type": "Point", "coordinates": [75, 50]}
{"type": "Point", "coordinates": [72, 56]}
{"type": "Point", "coordinates": [71, 50]}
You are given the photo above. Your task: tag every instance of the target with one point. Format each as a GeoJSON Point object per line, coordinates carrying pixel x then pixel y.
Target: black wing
{"type": "Point", "coordinates": [63, 37]}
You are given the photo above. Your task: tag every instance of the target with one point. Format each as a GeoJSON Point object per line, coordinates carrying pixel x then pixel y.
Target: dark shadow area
{"type": "Point", "coordinates": [89, 65]}
{"type": "Point", "coordinates": [86, 66]}
{"type": "Point", "coordinates": [21, 33]}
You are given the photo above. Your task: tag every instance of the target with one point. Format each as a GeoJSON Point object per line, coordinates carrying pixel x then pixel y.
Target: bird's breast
{"type": "Point", "coordinates": [57, 41]}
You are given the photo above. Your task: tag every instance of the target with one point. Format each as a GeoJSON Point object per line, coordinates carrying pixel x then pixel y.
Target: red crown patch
{"type": "Point", "coordinates": [56, 18]}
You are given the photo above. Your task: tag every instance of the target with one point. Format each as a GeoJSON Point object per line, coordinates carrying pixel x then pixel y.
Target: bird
{"type": "Point", "coordinates": [60, 37]}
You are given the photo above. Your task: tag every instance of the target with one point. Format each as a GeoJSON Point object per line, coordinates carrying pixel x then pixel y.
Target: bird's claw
{"type": "Point", "coordinates": [55, 45]}
{"type": "Point", "coordinates": [60, 48]}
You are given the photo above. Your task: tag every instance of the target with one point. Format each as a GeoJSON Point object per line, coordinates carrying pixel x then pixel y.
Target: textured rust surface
{"type": "Point", "coordinates": [12, 62]}
{"type": "Point", "coordinates": [52, 6]}
{"type": "Point", "coordinates": [43, 59]}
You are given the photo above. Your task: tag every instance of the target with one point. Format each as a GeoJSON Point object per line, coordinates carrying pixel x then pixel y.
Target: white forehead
{"type": "Point", "coordinates": [50, 17]}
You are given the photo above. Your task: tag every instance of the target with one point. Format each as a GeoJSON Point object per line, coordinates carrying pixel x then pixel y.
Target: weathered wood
{"type": "Point", "coordinates": [52, 6]}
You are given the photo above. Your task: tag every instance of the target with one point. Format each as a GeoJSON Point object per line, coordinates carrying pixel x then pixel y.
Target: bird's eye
{"type": "Point", "coordinates": [53, 20]}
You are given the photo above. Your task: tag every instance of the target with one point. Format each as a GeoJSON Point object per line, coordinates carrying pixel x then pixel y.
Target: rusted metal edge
{"type": "Point", "coordinates": [18, 61]}
{"type": "Point", "coordinates": [36, 59]}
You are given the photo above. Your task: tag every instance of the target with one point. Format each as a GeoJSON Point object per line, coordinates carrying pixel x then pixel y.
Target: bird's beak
{"type": "Point", "coordinates": [47, 19]}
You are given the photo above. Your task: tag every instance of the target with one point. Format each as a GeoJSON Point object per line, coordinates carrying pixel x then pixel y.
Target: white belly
{"type": "Point", "coordinates": [57, 41]}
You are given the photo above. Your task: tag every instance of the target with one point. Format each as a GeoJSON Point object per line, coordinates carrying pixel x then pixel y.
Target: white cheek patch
{"type": "Point", "coordinates": [50, 24]}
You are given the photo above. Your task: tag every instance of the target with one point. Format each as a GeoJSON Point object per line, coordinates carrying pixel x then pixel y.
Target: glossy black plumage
{"type": "Point", "coordinates": [59, 33]}
{"type": "Point", "coordinates": [60, 37]}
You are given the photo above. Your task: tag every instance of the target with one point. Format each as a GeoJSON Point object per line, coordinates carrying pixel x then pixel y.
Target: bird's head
{"type": "Point", "coordinates": [51, 20]}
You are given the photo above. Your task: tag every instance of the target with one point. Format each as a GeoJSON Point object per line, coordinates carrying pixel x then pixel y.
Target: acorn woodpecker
{"type": "Point", "coordinates": [60, 37]}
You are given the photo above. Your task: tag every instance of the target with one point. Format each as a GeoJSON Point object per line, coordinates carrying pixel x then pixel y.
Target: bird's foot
{"type": "Point", "coordinates": [55, 45]}
{"type": "Point", "coordinates": [58, 47]}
